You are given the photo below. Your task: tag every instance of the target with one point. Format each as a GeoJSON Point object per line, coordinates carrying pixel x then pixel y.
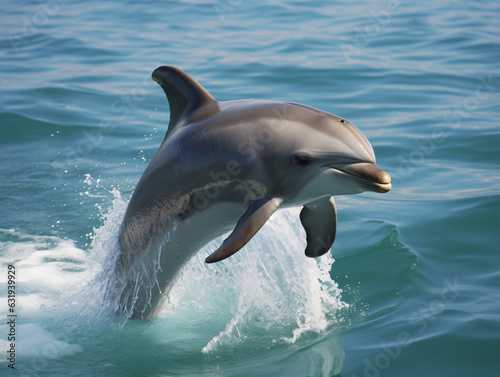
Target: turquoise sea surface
{"type": "Point", "coordinates": [411, 286]}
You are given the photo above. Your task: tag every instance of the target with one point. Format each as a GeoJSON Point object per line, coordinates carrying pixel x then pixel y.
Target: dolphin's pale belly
{"type": "Point", "coordinates": [176, 248]}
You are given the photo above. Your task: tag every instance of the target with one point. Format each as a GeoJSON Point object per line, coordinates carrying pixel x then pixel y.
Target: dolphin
{"type": "Point", "coordinates": [231, 165]}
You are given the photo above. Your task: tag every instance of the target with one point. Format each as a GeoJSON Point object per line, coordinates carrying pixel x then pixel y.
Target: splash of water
{"type": "Point", "coordinates": [271, 290]}
{"type": "Point", "coordinates": [269, 285]}
{"type": "Point", "coordinates": [269, 293]}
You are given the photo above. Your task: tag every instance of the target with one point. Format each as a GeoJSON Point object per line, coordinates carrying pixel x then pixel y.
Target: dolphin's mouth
{"type": "Point", "coordinates": [368, 172]}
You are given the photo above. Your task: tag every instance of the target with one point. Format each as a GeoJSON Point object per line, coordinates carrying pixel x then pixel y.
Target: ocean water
{"type": "Point", "coordinates": [412, 284]}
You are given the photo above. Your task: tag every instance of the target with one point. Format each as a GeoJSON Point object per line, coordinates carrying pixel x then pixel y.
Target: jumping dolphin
{"type": "Point", "coordinates": [225, 165]}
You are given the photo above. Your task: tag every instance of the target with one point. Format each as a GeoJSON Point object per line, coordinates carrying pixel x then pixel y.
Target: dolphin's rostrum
{"type": "Point", "coordinates": [225, 165]}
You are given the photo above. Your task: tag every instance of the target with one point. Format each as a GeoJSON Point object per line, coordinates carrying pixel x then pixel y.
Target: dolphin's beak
{"type": "Point", "coordinates": [369, 172]}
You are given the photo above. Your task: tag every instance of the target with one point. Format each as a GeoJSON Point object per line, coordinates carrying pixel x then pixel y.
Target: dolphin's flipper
{"type": "Point", "coordinates": [252, 220]}
{"type": "Point", "coordinates": [184, 94]}
{"type": "Point", "coordinates": [319, 219]}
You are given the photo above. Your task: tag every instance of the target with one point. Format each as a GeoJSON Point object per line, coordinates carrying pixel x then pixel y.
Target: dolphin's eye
{"type": "Point", "coordinates": [301, 160]}
{"type": "Point", "coordinates": [341, 120]}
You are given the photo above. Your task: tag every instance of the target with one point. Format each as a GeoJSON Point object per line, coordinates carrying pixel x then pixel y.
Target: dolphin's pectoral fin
{"type": "Point", "coordinates": [252, 220]}
{"type": "Point", "coordinates": [319, 219]}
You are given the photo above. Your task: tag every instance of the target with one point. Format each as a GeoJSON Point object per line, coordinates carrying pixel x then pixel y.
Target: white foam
{"type": "Point", "coordinates": [33, 340]}
{"type": "Point", "coordinates": [46, 268]}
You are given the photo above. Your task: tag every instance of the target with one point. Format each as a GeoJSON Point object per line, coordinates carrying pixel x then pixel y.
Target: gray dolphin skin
{"type": "Point", "coordinates": [231, 165]}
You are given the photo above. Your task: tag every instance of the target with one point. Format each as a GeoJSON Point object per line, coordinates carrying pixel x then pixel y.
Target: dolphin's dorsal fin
{"type": "Point", "coordinates": [252, 220]}
{"type": "Point", "coordinates": [319, 219]}
{"type": "Point", "coordinates": [184, 94]}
